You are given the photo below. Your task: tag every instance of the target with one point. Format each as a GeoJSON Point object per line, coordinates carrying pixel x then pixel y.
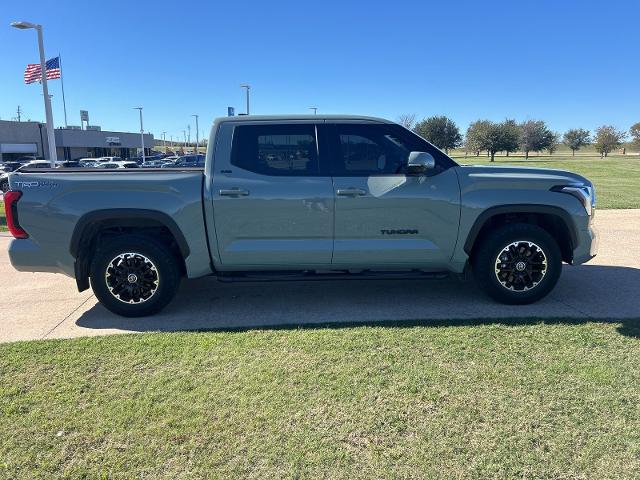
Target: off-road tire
{"type": "Point", "coordinates": [149, 268]}
{"type": "Point", "coordinates": [494, 276]}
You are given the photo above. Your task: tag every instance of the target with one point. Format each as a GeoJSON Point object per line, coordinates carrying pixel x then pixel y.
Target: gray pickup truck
{"type": "Point", "coordinates": [301, 197]}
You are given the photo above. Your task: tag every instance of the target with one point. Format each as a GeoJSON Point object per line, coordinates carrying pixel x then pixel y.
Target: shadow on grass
{"type": "Point", "coordinates": [584, 294]}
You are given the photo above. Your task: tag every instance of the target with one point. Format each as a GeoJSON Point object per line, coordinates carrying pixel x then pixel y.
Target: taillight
{"type": "Point", "coordinates": [11, 209]}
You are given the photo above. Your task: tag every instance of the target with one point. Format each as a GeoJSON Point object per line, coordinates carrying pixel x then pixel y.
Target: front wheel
{"type": "Point", "coordinates": [134, 276]}
{"type": "Point", "coordinates": [517, 264]}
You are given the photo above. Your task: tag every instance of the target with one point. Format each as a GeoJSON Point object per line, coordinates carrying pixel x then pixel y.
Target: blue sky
{"type": "Point", "coordinates": [572, 63]}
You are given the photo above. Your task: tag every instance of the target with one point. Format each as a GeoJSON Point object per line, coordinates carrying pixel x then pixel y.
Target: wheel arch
{"type": "Point", "coordinates": [90, 227]}
{"type": "Point", "coordinates": [555, 220]}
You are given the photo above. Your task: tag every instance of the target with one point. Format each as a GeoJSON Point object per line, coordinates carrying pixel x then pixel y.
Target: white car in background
{"type": "Point", "coordinates": [4, 174]}
{"type": "Point", "coordinates": [88, 162]}
{"type": "Point", "coordinates": [108, 159]}
{"type": "Point", "coordinates": [36, 164]}
{"type": "Point", "coordinates": [120, 164]}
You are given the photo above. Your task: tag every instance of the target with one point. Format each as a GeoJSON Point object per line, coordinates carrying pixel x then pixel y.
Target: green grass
{"type": "Point", "coordinates": [3, 218]}
{"type": "Point", "coordinates": [617, 178]}
{"type": "Point", "coordinates": [478, 399]}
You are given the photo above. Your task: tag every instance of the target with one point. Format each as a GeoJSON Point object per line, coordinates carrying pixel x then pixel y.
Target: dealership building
{"type": "Point", "coordinates": [19, 139]}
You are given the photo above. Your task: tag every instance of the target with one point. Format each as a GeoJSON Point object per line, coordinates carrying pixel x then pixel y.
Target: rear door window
{"type": "Point", "coordinates": [280, 150]}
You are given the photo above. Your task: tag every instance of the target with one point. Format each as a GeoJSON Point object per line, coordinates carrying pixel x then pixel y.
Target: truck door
{"type": "Point", "coordinates": [384, 216]}
{"type": "Point", "coordinates": [272, 198]}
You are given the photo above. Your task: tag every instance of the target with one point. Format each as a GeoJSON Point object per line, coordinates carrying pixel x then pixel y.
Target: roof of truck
{"type": "Point", "coordinates": [253, 118]}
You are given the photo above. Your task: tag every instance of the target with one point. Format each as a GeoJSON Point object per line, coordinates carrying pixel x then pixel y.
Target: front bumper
{"type": "Point", "coordinates": [587, 244]}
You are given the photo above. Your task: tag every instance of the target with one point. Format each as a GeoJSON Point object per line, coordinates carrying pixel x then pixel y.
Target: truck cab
{"type": "Point", "coordinates": [330, 193]}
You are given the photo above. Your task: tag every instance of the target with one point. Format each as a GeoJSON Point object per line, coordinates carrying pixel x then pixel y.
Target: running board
{"type": "Point", "coordinates": [284, 276]}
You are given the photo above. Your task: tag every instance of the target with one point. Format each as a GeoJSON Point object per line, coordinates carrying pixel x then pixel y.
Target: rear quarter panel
{"type": "Point", "coordinates": [53, 203]}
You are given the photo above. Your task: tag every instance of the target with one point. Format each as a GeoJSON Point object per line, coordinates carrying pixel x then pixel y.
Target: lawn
{"type": "Point", "coordinates": [617, 178]}
{"type": "Point", "coordinates": [477, 399]}
{"type": "Point", "coordinates": [3, 218]}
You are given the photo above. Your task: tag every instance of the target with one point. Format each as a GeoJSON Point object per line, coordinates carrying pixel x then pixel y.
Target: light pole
{"type": "Point", "coordinates": [51, 138]}
{"type": "Point", "coordinates": [247, 87]}
{"type": "Point", "coordinates": [164, 140]}
{"type": "Point", "coordinates": [315, 110]}
{"type": "Point", "coordinates": [197, 136]}
{"type": "Point", "coordinates": [144, 158]}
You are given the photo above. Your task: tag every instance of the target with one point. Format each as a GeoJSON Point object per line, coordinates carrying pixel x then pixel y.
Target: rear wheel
{"type": "Point", "coordinates": [134, 276]}
{"type": "Point", "coordinates": [517, 264]}
{"type": "Point", "coordinates": [4, 186]}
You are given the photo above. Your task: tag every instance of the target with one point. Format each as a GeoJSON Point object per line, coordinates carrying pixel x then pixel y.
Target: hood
{"type": "Point", "coordinates": [519, 176]}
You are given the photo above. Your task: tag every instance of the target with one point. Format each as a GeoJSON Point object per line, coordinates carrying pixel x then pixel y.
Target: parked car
{"type": "Point", "coordinates": [109, 159]}
{"type": "Point", "coordinates": [4, 176]}
{"type": "Point", "coordinates": [69, 164]}
{"type": "Point", "coordinates": [117, 165]}
{"type": "Point", "coordinates": [27, 158]}
{"type": "Point", "coordinates": [155, 163]}
{"type": "Point", "coordinates": [379, 202]}
{"type": "Point", "coordinates": [11, 166]}
{"type": "Point", "coordinates": [36, 164]}
{"type": "Point", "coordinates": [4, 181]}
{"type": "Point", "coordinates": [187, 161]}
{"type": "Point", "coordinates": [88, 164]}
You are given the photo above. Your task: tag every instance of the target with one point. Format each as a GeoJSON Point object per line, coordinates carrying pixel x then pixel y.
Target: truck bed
{"type": "Point", "coordinates": [55, 203]}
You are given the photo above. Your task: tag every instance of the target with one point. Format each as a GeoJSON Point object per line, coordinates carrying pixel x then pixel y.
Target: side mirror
{"type": "Point", "coordinates": [420, 162]}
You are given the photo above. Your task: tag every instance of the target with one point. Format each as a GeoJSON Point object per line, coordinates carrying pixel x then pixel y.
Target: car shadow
{"type": "Point", "coordinates": [587, 293]}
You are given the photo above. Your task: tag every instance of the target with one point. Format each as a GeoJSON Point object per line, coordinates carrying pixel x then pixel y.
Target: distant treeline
{"type": "Point", "coordinates": [509, 136]}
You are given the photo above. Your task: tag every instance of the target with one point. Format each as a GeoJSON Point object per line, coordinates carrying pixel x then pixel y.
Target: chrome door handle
{"type": "Point", "coordinates": [234, 192]}
{"type": "Point", "coordinates": [350, 192]}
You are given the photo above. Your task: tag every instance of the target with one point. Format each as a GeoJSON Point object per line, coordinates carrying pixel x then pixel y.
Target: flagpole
{"type": "Point", "coordinates": [64, 103]}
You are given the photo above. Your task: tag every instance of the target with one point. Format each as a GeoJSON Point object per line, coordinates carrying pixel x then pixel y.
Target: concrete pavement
{"type": "Point", "coordinates": [36, 306]}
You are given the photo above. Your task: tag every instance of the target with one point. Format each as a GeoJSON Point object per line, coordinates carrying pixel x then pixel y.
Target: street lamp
{"type": "Point", "coordinates": [315, 110]}
{"type": "Point", "coordinates": [144, 158]}
{"type": "Point", "coordinates": [248, 87]}
{"type": "Point", "coordinates": [197, 136]}
{"type": "Point", "coordinates": [51, 138]}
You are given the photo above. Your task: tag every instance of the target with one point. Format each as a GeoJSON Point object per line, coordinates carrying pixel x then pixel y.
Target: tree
{"type": "Point", "coordinates": [492, 137]}
{"type": "Point", "coordinates": [553, 143]}
{"type": "Point", "coordinates": [535, 136]}
{"type": "Point", "coordinates": [634, 131]}
{"type": "Point", "coordinates": [511, 135]}
{"type": "Point", "coordinates": [441, 131]}
{"type": "Point", "coordinates": [576, 138]}
{"type": "Point", "coordinates": [407, 120]}
{"type": "Point", "coordinates": [476, 136]}
{"type": "Point", "coordinates": [607, 139]}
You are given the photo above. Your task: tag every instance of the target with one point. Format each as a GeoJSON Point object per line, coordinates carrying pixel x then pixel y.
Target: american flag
{"type": "Point", "coordinates": [33, 73]}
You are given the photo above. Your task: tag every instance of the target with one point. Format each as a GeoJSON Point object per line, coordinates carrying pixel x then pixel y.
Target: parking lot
{"type": "Point", "coordinates": [38, 305]}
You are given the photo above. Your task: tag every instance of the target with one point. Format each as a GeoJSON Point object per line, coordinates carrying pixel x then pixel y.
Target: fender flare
{"type": "Point", "coordinates": [520, 208]}
{"type": "Point", "coordinates": [128, 217]}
